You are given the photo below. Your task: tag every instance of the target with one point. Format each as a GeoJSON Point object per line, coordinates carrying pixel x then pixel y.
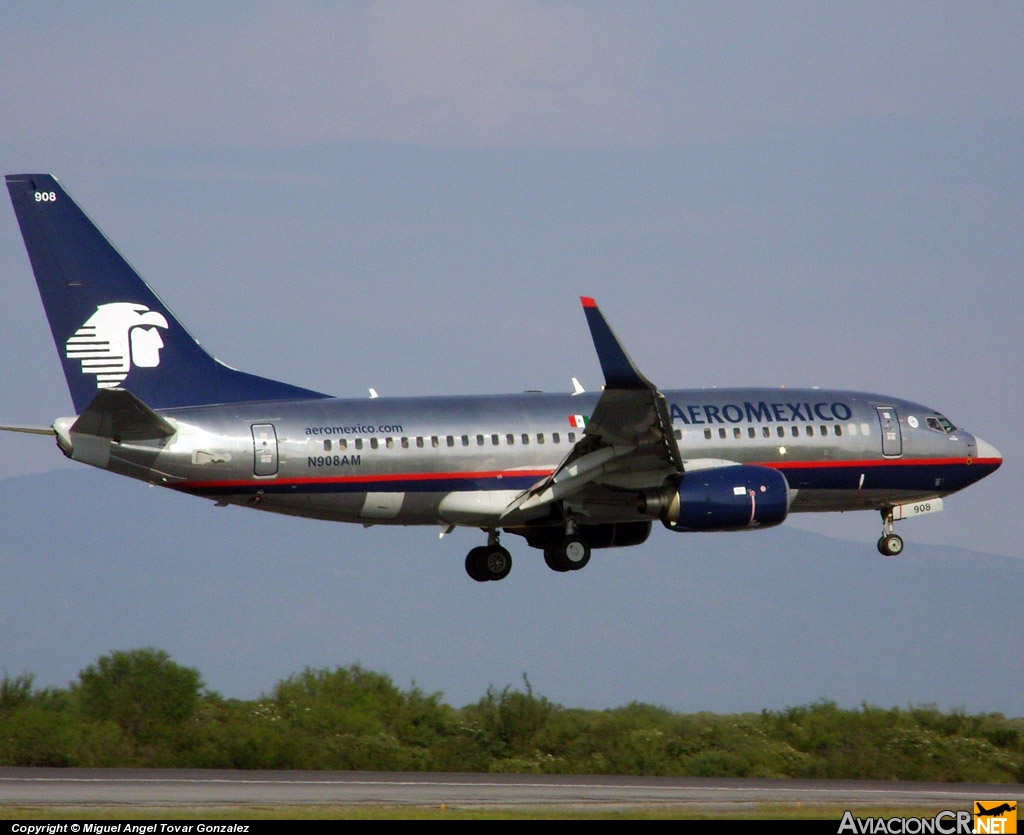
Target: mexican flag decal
{"type": "Point", "coordinates": [578, 421]}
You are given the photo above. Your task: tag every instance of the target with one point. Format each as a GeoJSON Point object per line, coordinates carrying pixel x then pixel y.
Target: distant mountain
{"type": "Point", "coordinates": [90, 562]}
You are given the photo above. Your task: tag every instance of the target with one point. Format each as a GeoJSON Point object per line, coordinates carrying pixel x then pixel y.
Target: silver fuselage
{"type": "Point", "coordinates": [462, 460]}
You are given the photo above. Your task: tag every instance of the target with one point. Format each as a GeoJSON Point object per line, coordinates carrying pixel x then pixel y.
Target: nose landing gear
{"type": "Point", "coordinates": [890, 544]}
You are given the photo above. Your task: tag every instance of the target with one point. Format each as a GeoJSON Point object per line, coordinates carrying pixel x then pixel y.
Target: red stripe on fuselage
{"type": "Point", "coordinates": [364, 479]}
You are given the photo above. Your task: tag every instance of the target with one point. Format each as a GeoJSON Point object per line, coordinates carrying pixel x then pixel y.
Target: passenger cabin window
{"type": "Point", "coordinates": [465, 440]}
{"type": "Point", "coordinates": [707, 434]}
{"type": "Point", "coordinates": [327, 446]}
{"type": "Point", "coordinates": [510, 439]}
{"type": "Point", "coordinates": [556, 438]}
{"type": "Point", "coordinates": [359, 443]}
{"type": "Point", "coordinates": [494, 440]}
{"type": "Point", "coordinates": [526, 439]}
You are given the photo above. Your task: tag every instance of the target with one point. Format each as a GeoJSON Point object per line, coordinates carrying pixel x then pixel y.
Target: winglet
{"type": "Point", "coordinates": [619, 370]}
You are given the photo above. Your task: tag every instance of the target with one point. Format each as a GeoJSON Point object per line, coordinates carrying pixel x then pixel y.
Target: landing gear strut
{"type": "Point", "coordinates": [890, 544]}
{"type": "Point", "coordinates": [490, 561]}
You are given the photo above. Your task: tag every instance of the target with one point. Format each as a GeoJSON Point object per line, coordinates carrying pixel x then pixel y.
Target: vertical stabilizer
{"type": "Point", "coordinates": [111, 330]}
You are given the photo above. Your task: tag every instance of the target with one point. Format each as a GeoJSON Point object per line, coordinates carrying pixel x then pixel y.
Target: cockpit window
{"type": "Point", "coordinates": [940, 424]}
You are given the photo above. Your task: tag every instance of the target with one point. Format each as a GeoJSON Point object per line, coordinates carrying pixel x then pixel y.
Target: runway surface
{"type": "Point", "coordinates": [139, 787]}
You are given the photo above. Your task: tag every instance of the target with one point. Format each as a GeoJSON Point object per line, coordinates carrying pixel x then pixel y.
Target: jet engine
{"type": "Point", "coordinates": [721, 499]}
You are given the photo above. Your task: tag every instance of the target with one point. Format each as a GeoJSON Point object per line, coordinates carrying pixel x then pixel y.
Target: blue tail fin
{"type": "Point", "coordinates": [111, 330]}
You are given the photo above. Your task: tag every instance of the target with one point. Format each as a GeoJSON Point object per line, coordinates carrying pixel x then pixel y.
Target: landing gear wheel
{"type": "Point", "coordinates": [474, 564]}
{"type": "Point", "coordinates": [488, 562]}
{"type": "Point", "coordinates": [497, 562]}
{"type": "Point", "coordinates": [890, 545]}
{"type": "Point", "coordinates": [567, 554]}
{"type": "Point", "coordinates": [552, 559]}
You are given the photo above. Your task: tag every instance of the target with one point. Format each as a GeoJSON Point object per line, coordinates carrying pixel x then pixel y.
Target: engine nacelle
{"type": "Point", "coordinates": [722, 499]}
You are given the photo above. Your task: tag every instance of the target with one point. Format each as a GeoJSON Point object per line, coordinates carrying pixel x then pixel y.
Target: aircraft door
{"type": "Point", "coordinates": [264, 449]}
{"type": "Point", "coordinates": [892, 439]}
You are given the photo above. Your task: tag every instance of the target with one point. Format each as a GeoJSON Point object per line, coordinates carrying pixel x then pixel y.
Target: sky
{"type": "Point", "coordinates": [412, 197]}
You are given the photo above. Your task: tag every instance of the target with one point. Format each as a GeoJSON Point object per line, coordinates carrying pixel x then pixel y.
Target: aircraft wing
{"type": "Point", "coordinates": [628, 443]}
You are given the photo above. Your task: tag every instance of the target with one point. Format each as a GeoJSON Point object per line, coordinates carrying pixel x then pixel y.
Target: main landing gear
{"type": "Point", "coordinates": [490, 561]}
{"type": "Point", "coordinates": [567, 553]}
{"type": "Point", "coordinates": [570, 552]}
{"type": "Point", "coordinates": [890, 544]}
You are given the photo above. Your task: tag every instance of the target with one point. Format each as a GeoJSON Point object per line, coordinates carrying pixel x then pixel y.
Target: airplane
{"type": "Point", "coordinates": [570, 473]}
{"type": "Point", "coordinates": [995, 811]}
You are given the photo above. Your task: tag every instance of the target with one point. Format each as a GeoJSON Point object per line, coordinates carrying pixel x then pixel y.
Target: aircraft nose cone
{"type": "Point", "coordinates": [988, 452]}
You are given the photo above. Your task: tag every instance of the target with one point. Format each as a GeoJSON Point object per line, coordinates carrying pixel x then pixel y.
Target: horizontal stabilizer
{"type": "Point", "coordinates": [120, 416]}
{"type": "Point", "coordinates": [29, 430]}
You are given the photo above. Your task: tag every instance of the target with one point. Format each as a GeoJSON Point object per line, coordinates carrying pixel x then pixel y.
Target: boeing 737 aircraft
{"type": "Point", "coordinates": [569, 473]}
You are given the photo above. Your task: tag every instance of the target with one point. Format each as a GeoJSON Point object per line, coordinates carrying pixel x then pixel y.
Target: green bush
{"type": "Point", "coordinates": [139, 708]}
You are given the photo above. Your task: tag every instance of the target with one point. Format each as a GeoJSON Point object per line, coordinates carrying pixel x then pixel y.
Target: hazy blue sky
{"type": "Point", "coordinates": [412, 196]}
